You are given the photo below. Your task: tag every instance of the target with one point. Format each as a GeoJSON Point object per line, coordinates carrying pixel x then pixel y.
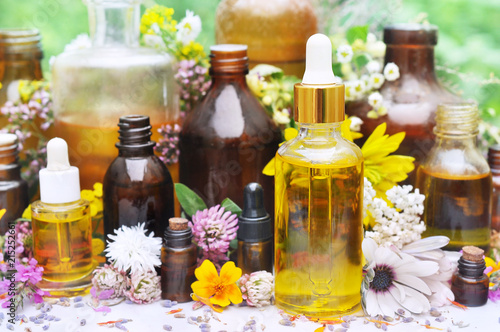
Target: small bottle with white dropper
{"type": "Point", "coordinates": [62, 226]}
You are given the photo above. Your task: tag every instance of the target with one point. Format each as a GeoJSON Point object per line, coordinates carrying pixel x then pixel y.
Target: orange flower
{"type": "Point", "coordinates": [220, 290]}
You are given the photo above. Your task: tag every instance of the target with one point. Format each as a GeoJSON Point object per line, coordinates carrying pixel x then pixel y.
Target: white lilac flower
{"type": "Point", "coordinates": [144, 287]}
{"type": "Point", "coordinates": [391, 71]}
{"type": "Point", "coordinates": [376, 80]}
{"type": "Point", "coordinates": [355, 123]}
{"type": "Point", "coordinates": [281, 117]}
{"type": "Point", "coordinates": [108, 277]}
{"type": "Point", "coordinates": [344, 53]}
{"type": "Point", "coordinates": [374, 47]}
{"type": "Point", "coordinates": [394, 281]}
{"type": "Point", "coordinates": [359, 88]}
{"type": "Point", "coordinates": [257, 288]}
{"type": "Point", "coordinates": [81, 41]}
{"type": "Point", "coordinates": [373, 66]}
{"type": "Point", "coordinates": [375, 100]}
{"type": "Point", "coordinates": [132, 249]}
{"type": "Point", "coordinates": [368, 195]}
{"type": "Point", "coordinates": [154, 41]}
{"type": "Point", "coordinates": [188, 28]}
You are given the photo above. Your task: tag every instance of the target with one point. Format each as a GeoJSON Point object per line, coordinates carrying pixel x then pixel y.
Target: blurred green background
{"type": "Point", "coordinates": [469, 31]}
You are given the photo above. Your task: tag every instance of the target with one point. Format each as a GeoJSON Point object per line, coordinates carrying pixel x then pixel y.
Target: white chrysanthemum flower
{"type": "Point", "coordinates": [281, 117]}
{"type": "Point", "coordinates": [257, 288]}
{"type": "Point", "coordinates": [132, 249]}
{"type": "Point", "coordinates": [376, 80]}
{"type": "Point", "coordinates": [375, 100]}
{"type": "Point", "coordinates": [81, 41]}
{"type": "Point", "coordinates": [144, 287]}
{"type": "Point", "coordinates": [355, 123]}
{"type": "Point", "coordinates": [344, 53]}
{"type": "Point", "coordinates": [394, 281]}
{"type": "Point", "coordinates": [391, 71]}
{"type": "Point", "coordinates": [373, 66]}
{"type": "Point", "coordinates": [188, 28]}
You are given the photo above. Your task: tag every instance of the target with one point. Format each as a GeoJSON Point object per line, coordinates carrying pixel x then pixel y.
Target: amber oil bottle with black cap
{"type": "Point", "coordinates": [255, 237]}
{"type": "Point", "coordinates": [137, 187]}
{"type": "Point", "coordinates": [178, 261]}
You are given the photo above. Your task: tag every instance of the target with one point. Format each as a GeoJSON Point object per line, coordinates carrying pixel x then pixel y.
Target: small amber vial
{"type": "Point", "coordinates": [178, 261]}
{"type": "Point", "coordinates": [469, 283]}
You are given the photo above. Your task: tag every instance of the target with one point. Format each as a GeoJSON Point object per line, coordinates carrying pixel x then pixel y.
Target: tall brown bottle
{"type": "Point", "coordinates": [13, 189]}
{"type": "Point", "coordinates": [411, 100]}
{"type": "Point", "coordinates": [228, 138]}
{"type": "Point", "coordinates": [137, 185]}
{"type": "Point", "coordinates": [494, 162]}
{"type": "Point", "coordinates": [20, 56]}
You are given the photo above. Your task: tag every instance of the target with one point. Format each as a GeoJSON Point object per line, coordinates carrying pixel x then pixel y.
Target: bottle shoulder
{"type": "Point", "coordinates": [145, 169]}
{"type": "Point", "coordinates": [76, 206]}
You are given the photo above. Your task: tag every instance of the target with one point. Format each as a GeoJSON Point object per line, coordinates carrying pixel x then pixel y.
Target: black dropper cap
{"type": "Point", "coordinates": [254, 223]}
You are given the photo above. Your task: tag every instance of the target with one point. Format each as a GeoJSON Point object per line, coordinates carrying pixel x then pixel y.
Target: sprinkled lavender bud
{"type": "Point", "coordinates": [48, 307]}
{"type": "Point", "coordinates": [38, 321]}
{"type": "Point", "coordinates": [407, 319]}
{"type": "Point", "coordinates": [10, 327]}
{"type": "Point", "coordinates": [40, 316]}
{"type": "Point", "coordinates": [32, 318]}
{"type": "Point", "coordinates": [346, 325]}
{"type": "Point", "coordinates": [57, 319]}
{"type": "Point", "coordinates": [348, 319]}
{"type": "Point", "coordinates": [427, 322]}
{"type": "Point", "coordinates": [17, 318]}
{"type": "Point", "coordinates": [120, 326]}
{"type": "Point", "coordinates": [400, 312]}
{"type": "Point", "coordinates": [50, 318]}
{"type": "Point", "coordinates": [286, 322]}
{"type": "Point", "coordinates": [388, 318]}
{"type": "Point", "coordinates": [77, 299]}
{"type": "Point", "coordinates": [167, 304]}
{"type": "Point", "coordinates": [38, 306]}
{"type": "Point", "coordinates": [440, 319]}
{"type": "Point", "coordinates": [79, 305]}
{"type": "Point", "coordinates": [435, 313]}
{"type": "Point", "coordinates": [83, 322]}
{"type": "Point", "coordinates": [179, 316]}
{"type": "Point", "coordinates": [24, 319]}
{"type": "Point", "coordinates": [384, 327]}
{"type": "Point", "coordinates": [45, 327]}
{"type": "Point", "coordinates": [63, 299]}
{"type": "Point", "coordinates": [330, 327]}
{"type": "Point", "coordinates": [167, 327]}
{"type": "Point", "coordinates": [174, 303]}
{"type": "Point", "coordinates": [191, 320]}
{"type": "Point", "coordinates": [378, 325]}
{"type": "Point", "coordinates": [129, 302]}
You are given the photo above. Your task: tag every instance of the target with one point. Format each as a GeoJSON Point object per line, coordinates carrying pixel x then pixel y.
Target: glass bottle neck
{"type": "Point", "coordinates": [415, 60]}
{"type": "Point", "coordinates": [136, 151]}
{"type": "Point", "coordinates": [318, 130]}
{"type": "Point", "coordinates": [114, 23]}
{"type": "Point", "coordinates": [225, 78]}
{"type": "Point", "coordinates": [471, 269]}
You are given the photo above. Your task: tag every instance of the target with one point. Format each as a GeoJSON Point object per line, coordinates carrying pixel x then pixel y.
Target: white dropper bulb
{"type": "Point", "coordinates": [59, 182]}
{"type": "Point", "coordinates": [318, 60]}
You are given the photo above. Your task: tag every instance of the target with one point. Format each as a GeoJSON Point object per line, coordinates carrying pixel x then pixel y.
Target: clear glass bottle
{"type": "Point", "coordinates": [62, 227]}
{"type": "Point", "coordinates": [412, 99]}
{"type": "Point", "coordinates": [137, 187]}
{"type": "Point", "coordinates": [494, 163]}
{"type": "Point", "coordinates": [20, 56]}
{"type": "Point", "coordinates": [114, 77]}
{"type": "Point", "coordinates": [178, 261]}
{"type": "Point", "coordinates": [319, 200]}
{"type": "Point", "coordinates": [275, 31]}
{"type": "Point", "coordinates": [469, 284]}
{"type": "Point", "coordinates": [13, 189]}
{"type": "Point", "coordinates": [456, 180]}
{"type": "Point", "coordinates": [228, 139]}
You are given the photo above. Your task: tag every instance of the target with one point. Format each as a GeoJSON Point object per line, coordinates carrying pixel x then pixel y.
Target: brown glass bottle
{"type": "Point", "coordinates": [469, 284]}
{"type": "Point", "coordinates": [178, 261]}
{"type": "Point", "coordinates": [228, 138]}
{"type": "Point", "coordinates": [411, 100]}
{"type": "Point", "coordinates": [494, 162]}
{"type": "Point", "coordinates": [20, 56]}
{"type": "Point", "coordinates": [255, 236]}
{"type": "Point", "coordinates": [13, 189]}
{"type": "Point", "coordinates": [137, 187]}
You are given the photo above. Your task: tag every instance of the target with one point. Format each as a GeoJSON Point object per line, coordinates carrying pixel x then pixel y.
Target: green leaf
{"type": "Point", "coordinates": [357, 32]}
{"type": "Point", "coordinates": [337, 69]}
{"type": "Point", "coordinates": [361, 60]}
{"type": "Point", "coordinates": [229, 205]}
{"type": "Point", "coordinates": [267, 70]}
{"type": "Point", "coordinates": [189, 200]}
{"type": "Point", "coordinates": [233, 244]}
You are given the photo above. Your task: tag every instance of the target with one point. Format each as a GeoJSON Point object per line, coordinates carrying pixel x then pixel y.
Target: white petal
{"type": "Point", "coordinates": [413, 282]}
{"type": "Point", "coordinates": [387, 303]}
{"type": "Point", "coordinates": [418, 269]}
{"type": "Point", "coordinates": [430, 255]}
{"type": "Point", "coordinates": [397, 293]}
{"type": "Point", "coordinates": [415, 297]}
{"type": "Point", "coordinates": [426, 244]}
{"type": "Point", "coordinates": [385, 256]}
{"type": "Point", "coordinates": [369, 247]}
{"type": "Point", "coordinates": [372, 307]}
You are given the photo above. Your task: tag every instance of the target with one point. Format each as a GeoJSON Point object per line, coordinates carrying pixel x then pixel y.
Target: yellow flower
{"type": "Point", "coordinates": [98, 189]}
{"type": "Point", "coordinates": [290, 133]}
{"type": "Point", "coordinates": [2, 212]}
{"type": "Point", "coordinates": [385, 171]}
{"type": "Point", "coordinates": [27, 213]}
{"type": "Point", "coordinates": [219, 290]}
{"type": "Point", "coordinates": [491, 262]}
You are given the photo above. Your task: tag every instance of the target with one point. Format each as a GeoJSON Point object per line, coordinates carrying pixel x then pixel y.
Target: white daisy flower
{"type": "Point", "coordinates": [132, 249]}
{"type": "Point", "coordinates": [373, 66]}
{"type": "Point", "coordinates": [376, 80]}
{"type": "Point", "coordinates": [394, 281]}
{"type": "Point", "coordinates": [355, 123]}
{"type": "Point", "coordinates": [391, 71]}
{"type": "Point", "coordinates": [375, 100]}
{"type": "Point", "coordinates": [344, 53]}
{"type": "Point", "coordinates": [188, 28]}
{"type": "Point", "coordinates": [359, 87]}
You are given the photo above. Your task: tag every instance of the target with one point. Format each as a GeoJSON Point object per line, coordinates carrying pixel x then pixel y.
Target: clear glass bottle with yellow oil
{"type": "Point", "coordinates": [456, 180]}
{"type": "Point", "coordinates": [62, 226]}
{"type": "Point", "coordinates": [319, 199]}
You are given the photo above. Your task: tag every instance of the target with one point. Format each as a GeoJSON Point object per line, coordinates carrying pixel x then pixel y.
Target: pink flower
{"type": "Point", "coordinates": [31, 272]}
{"type": "Point", "coordinates": [108, 282]}
{"type": "Point", "coordinates": [494, 295]}
{"type": "Point", "coordinates": [213, 230]}
{"type": "Point", "coordinates": [144, 287]}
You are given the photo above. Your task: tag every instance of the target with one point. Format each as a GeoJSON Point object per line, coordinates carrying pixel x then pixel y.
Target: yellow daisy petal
{"type": "Point", "coordinates": [229, 273]}
{"type": "Point", "coordinates": [234, 294]}
{"type": "Point", "coordinates": [290, 133]}
{"type": "Point", "coordinates": [270, 168]}
{"type": "Point", "coordinates": [206, 272]}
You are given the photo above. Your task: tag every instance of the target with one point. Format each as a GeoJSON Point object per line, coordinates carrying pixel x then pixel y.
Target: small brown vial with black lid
{"type": "Point", "coordinates": [469, 283]}
{"type": "Point", "coordinates": [178, 261]}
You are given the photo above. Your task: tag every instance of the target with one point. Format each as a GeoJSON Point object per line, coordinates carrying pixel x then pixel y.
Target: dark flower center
{"type": "Point", "coordinates": [384, 276]}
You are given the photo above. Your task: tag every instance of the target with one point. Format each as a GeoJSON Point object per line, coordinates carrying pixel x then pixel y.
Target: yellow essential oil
{"type": "Point", "coordinates": [318, 200]}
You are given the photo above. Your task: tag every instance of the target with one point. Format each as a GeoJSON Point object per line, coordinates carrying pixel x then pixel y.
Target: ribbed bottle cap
{"type": "Point", "coordinates": [20, 41]}
{"type": "Point", "coordinates": [494, 159]}
{"type": "Point", "coordinates": [457, 119]}
{"type": "Point", "coordinates": [228, 58]}
{"type": "Point", "coordinates": [135, 131]}
{"type": "Point", "coordinates": [254, 224]}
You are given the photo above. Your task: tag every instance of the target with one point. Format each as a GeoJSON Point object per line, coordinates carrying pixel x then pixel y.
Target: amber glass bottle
{"type": "Point", "coordinates": [456, 180]}
{"type": "Point", "coordinates": [20, 56]}
{"type": "Point", "coordinates": [469, 284]}
{"type": "Point", "coordinates": [137, 186]}
{"type": "Point", "coordinates": [494, 162]}
{"type": "Point", "coordinates": [411, 100]}
{"type": "Point", "coordinates": [228, 138]}
{"type": "Point", "coordinates": [178, 261]}
{"type": "Point", "coordinates": [275, 31]}
{"type": "Point", "coordinates": [13, 189]}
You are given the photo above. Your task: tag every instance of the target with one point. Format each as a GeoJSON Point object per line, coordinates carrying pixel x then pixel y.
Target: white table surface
{"type": "Point", "coordinates": [152, 317]}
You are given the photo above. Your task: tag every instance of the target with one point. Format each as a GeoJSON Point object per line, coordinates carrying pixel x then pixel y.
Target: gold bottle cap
{"type": "Point", "coordinates": [318, 99]}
